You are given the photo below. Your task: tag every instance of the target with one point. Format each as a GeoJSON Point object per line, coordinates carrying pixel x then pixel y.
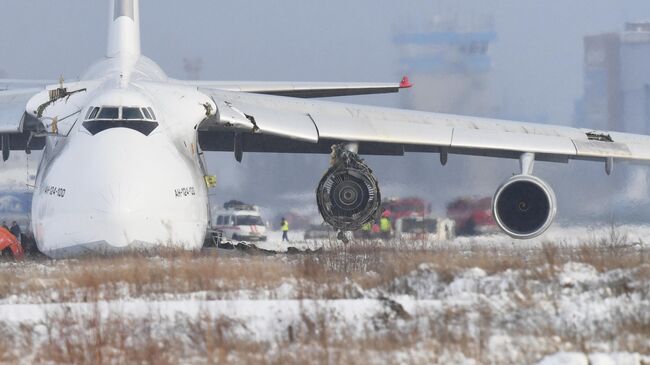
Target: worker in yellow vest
{"type": "Point", "coordinates": [365, 230]}
{"type": "Point", "coordinates": [284, 225]}
{"type": "Point", "coordinates": [385, 227]}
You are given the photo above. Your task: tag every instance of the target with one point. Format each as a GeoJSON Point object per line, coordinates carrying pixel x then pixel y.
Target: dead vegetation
{"type": "Point", "coordinates": [321, 275]}
{"type": "Point", "coordinates": [528, 276]}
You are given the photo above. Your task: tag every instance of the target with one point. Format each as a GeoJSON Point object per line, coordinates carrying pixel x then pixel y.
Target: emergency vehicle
{"type": "Point", "coordinates": [425, 229]}
{"type": "Point", "coordinates": [240, 222]}
{"type": "Point", "coordinates": [473, 216]}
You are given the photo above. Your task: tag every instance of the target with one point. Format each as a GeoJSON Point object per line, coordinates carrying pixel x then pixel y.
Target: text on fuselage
{"type": "Point", "coordinates": [184, 192]}
{"type": "Point", "coordinates": [54, 191]}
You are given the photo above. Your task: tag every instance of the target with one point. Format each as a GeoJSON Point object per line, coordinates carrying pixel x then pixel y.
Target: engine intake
{"type": "Point", "coordinates": [524, 207]}
{"type": "Point", "coordinates": [348, 194]}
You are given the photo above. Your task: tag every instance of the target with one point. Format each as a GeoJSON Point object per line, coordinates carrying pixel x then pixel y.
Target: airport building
{"type": "Point", "coordinates": [617, 81]}
{"type": "Point", "coordinates": [451, 64]}
{"type": "Point", "coordinates": [617, 93]}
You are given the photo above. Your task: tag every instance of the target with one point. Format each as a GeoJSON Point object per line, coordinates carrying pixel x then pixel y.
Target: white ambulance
{"type": "Point", "coordinates": [240, 223]}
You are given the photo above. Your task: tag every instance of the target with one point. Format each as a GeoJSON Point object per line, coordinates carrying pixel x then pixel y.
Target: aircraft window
{"type": "Point", "coordinates": [146, 113]}
{"type": "Point", "coordinates": [93, 114]}
{"type": "Point", "coordinates": [131, 113]}
{"type": "Point", "coordinates": [153, 116]}
{"type": "Point", "coordinates": [109, 113]}
{"type": "Point", "coordinates": [219, 220]}
{"type": "Point", "coordinates": [90, 110]}
{"type": "Point", "coordinates": [101, 119]}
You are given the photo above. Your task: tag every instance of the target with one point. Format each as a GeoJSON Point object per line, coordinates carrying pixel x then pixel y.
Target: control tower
{"type": "Point", "coordinates": [449, 60]}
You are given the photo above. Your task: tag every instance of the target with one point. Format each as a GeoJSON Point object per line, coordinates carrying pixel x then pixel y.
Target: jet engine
{"type": "Point", "coordinates": [348, 194]}
{"type": "Point", "coordinates": [524, 206]}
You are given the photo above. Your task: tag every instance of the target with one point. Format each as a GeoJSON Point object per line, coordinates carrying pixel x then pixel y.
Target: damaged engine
{"type": "Point", "coordinates": [348, 194]}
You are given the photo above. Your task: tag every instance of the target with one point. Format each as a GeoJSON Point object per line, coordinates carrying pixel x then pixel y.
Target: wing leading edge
{"type": "Point", "coordinates": [282, 124]}
{"type": "Point", "coordinates": [301, 89]}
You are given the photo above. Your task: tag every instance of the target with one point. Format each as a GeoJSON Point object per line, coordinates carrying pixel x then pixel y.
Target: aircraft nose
{"type": "Point", "coordinates": [120, 192]}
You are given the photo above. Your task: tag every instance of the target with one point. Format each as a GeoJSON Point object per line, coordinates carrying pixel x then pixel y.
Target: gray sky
{"type": "Point", "coordinates": [537, 58]}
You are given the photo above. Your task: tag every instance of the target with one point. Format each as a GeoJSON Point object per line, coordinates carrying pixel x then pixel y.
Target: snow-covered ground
{"type": "Point", "coordinates": [472, 301]}
{"type": "Point", "coordinates": [557, 234]}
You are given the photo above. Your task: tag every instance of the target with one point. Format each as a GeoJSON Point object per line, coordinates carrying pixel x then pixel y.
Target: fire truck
{"type": "Point", "coordinates": [397, 208]}
{"type": "Point", "coordinates": [473, 216]}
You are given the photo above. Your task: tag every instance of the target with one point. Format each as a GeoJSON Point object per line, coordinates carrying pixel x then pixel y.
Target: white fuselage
{"type": "Point", "coordinates": [119, 188]}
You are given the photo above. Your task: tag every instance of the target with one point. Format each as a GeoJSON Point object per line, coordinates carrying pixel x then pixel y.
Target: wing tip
{"type": "Point", "coordinates": [405, 83]}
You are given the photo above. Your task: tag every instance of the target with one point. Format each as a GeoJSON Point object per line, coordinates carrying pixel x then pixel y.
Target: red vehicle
{"type": "Point", "coordinates": [472, 215]}
{"type": "Point", "coordinates": [397, 208]}
{"type": "Point", "coordinates": [9, 243]}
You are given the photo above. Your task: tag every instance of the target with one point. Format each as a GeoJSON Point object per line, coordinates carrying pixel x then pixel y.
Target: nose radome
{"type": "Point", "coordinates": [120, 194]}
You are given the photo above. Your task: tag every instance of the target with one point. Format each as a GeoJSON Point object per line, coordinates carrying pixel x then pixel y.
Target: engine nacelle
{"type": "Point", "coordinates": [524, 206]}
{"type": "Point", "coordinates": [348, 197]}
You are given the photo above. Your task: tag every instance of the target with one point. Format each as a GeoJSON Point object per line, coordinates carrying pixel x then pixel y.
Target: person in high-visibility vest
{"type": "Point", "coordinates": [385, 227]}
{"type": "Point", "coordinates": [284, 225]}
{"type": "Point", "coordinates": [365, 230]}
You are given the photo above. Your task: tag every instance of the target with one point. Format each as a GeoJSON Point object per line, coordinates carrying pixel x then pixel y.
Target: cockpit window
{"type": "Point", "coordinates": [122, 113]}
{"type": "Point", "coordinates": [147, 114]}
{"type": "Point", "coordinates": [131, 113]}
{"type": "Point", "coordinates": [93, 113]}
{"type": "Point", "coordinates": [139, 119]}
{"type": "Point", "coordinates": [109, 113]}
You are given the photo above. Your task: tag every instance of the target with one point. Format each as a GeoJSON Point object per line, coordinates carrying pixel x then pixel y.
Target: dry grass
{"type": "Point", "coordinates": [320, 275]}
{"type": "Point", "coordinates": [358, 270]}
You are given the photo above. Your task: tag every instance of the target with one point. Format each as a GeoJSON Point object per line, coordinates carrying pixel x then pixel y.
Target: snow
{"type": "Point", "coordinates": [565, 236]}
{"type": "Point", "coordinates": [565, 358]}
{"type": "Point", "coordinates": [544, 315]}
{"type": "Point", "coordinates": [263, 318]}
{"type": "Point", "coordinates": [575, 358]}
{"type": "Point", "coordinates": [576, 299]}
{"type": "Point", "coordinates": [574, 274]}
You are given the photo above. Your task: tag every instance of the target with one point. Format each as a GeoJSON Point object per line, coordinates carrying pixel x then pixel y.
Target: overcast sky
{"type": "Point", "coordinates": [537, 58]}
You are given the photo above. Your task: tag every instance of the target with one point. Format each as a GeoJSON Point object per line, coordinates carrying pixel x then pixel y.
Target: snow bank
{"type": "Point", "coordinates": [574, 358]}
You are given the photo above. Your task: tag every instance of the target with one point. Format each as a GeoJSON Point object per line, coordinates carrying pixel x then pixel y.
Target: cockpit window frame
{"type": "Point", "coordinates": [99, 115]}
{"type": "Point", "coordinates": [128, 109]}
{"type": "Point", "coordinates": [145, 124]}
{"type": "Point", "coordinates": [146, 113]}
{"type": "Point", "coordinates": [94, 112]}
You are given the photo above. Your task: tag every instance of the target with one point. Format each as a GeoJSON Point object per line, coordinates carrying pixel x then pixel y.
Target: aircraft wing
{"type": "Point", "coordinates": [21, 128]}
{"type": "Point", "coordinates": [8, 84]}
{"type": "Point", "coordinates": [301, 89]}
{"type": "Point", "coordinates": [12, 108]}
{"type": "Point", "coordinates": [281, 124]}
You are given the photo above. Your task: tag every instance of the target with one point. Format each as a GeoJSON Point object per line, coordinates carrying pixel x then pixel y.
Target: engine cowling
{"type": "Point", "coordinates": [524, 206]}
{"type": "Point", "coordinates": [348, 197]}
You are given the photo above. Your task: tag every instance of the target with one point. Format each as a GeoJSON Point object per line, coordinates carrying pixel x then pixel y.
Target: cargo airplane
{"type": "Point", "coordinates": [122, 163]}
